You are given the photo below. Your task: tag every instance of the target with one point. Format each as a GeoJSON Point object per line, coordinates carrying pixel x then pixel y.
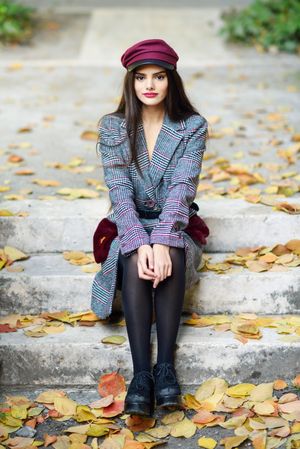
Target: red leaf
{"type": "Point", "coordinates": [112, 383]}
{"type": "Point", "coordinates": [6, 328]}
{"type": "Point", "coordinates": [114, 409]}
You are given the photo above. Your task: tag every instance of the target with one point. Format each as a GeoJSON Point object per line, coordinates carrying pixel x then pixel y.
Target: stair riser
{"type": "Point", "coordinates": [70, 225]}
{"type": "Point", "coordinates": [75, 364]}
{"type": "Point", "coordinates": [263, 293]}
{"type": "Point", "coordinates": [226, 234]}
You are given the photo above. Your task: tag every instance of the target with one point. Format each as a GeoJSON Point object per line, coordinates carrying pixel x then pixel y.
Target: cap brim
{"type": "Point", "coordinates": [164, 64]}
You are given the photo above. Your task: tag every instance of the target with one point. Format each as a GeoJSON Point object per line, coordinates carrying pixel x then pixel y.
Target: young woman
{"type": "Point", "coordinates": [151, 149]}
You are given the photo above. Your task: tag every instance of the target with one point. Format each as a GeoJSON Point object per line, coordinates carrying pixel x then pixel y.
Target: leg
{"type": "Point", "coordinates": [168, 301]}
{"type": "Point", "coordinates": [137, 306]}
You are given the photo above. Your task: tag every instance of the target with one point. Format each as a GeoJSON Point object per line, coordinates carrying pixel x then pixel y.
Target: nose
{"type": "Point", "coordinates": [149, 84]}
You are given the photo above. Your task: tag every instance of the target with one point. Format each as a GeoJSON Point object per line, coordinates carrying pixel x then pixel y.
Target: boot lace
{"type": "Point", "coordinates": [166, 372]}
{"type": "Point", "coordinates": [141, 380]}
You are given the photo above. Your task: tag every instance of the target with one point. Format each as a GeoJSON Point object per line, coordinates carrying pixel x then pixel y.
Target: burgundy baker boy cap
{"type": "Point", "coordinates": [150, 51]}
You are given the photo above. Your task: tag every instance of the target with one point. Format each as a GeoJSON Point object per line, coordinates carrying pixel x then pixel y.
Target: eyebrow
{"type": "Point", "coordinates": [141, 73]}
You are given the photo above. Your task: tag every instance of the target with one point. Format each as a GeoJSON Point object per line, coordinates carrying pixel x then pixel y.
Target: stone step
{"type": "Point", "coordinates": [77, 356]}
{"type": "Point", "coordinates": [49, 282]}
{"type": "Point", "coordinates": [55, 226]}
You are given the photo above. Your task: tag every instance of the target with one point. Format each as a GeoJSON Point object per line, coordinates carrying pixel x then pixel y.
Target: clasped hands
{"type": "Point", "coordinates": [154, 263]}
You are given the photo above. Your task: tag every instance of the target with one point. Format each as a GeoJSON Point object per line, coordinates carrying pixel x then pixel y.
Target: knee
{"type": "Point", "coordinates": [177, 256]}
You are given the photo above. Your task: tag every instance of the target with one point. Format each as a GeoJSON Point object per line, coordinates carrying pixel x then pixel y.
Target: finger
{"type": "Point", "coordinates": [151, 260]}
{"type": "Point", "coordinates": [144, 269]}
{"type": "Point", "coordinates": [155, 283]}
{"type": "Point", "coordinates": [145, 276]}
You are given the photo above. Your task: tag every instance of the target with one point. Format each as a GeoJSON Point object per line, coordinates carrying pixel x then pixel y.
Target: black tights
{"type": "Point", "coordinates": [138, 308]}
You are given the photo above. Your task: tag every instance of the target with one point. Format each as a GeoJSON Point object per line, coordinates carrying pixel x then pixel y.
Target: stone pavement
{"type": "Point", "coordinates": [57, 88]}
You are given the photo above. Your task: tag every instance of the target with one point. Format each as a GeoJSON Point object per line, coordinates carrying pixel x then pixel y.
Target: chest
{"type": "Point", "coordinates": [151, 136]}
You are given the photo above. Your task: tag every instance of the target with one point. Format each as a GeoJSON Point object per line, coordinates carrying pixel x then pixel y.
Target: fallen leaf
{"type": "Point", "coordinates": [114, 339]}
{"type": "Point", "coordinates": [65, 406]}
{"type": "Point", "coordinates": [208, 443]}
{"type": "Point", "coordinates": [279, 384]}
{"type": "Point", "coordinates": [111, 383]}
{"type": "Point", "coordinates": [231, 442]}
{"type": "Point", "coordinates": [184, 428]}
{"type": "Point", "coordinates": [261, 392]}
{"type": "Point", "coordinates": [173, 417]}
{"type": "Point", "coordinates": [240, 390]}
{"type": "Point", "coordinates": [137, 423]}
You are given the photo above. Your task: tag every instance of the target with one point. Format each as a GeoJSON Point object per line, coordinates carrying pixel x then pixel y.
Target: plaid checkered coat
{"type": "Point", "coordinates": [169, 184]}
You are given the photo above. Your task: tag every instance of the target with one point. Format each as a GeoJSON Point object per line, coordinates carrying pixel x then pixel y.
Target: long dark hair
{"type": "Point", "coordinates": [177, 106]}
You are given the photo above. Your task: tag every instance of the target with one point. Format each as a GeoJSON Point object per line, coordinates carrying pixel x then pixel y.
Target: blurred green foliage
{"type": "Point", "coordinates": [265, 23]}
{"type": "Point", "coordinates": [16, 22]}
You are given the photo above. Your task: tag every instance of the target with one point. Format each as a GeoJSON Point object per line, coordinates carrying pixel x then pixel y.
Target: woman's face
{"type": "Point", "coordinates": [150, 78]}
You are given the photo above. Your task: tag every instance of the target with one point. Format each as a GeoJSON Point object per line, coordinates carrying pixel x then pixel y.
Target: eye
{"type": "Point", "coordinates": [160, 77]}
{"type": "Point", "coordinates": [138, 77]}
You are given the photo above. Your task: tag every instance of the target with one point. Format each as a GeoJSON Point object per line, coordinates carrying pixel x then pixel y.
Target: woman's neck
{"type": "Point", "coordinates": [152, 115]}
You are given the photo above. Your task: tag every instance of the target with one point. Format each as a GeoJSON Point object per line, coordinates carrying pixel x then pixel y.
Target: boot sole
{"type": "Point", "coordinates": [138, 409]}
{"type": "Point", "coordinates": [173, 402]}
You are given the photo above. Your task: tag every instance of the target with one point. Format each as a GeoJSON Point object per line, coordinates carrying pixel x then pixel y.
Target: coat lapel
{"type": "Point", "coordinates": [169, 137]}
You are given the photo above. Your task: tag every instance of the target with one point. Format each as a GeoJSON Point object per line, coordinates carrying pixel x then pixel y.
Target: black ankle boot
{"type": "Point", "coordinates": [167, 389]}
{"type": "Point", "coordinates": [140, 395]}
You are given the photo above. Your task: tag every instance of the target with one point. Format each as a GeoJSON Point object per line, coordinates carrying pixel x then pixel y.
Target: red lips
{"type": "Point", "coordinates": [150, 95]}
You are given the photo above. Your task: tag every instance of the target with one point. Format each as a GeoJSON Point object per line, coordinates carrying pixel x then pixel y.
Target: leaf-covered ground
{"type": "Point", "coordinates": [216, 414]}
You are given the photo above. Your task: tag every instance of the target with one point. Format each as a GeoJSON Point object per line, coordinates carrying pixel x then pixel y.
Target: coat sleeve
{"type": "Point", "coordinates": [174, 217]}
{"type": "Point", "coordinates": [110, 146]}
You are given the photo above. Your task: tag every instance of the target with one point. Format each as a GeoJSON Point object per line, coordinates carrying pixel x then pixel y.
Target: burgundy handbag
{"type": "Point", "coordinates": [107, 230]}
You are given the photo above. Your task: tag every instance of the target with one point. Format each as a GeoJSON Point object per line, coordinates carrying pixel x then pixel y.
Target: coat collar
{"type": "Point", "coordinates": [169, 137]}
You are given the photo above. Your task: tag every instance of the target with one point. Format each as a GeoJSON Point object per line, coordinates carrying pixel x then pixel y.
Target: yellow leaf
{"type": "Point", "coordinates": [284, 259]}
{"type": "Point", "coordinates": [68, 255]}
{"type": "Point", "coordinates": [231, 442]}
{"type": "Point", "coordinates": [78, 193]}
{"type": "Point", "coordinates": [62, 442]}
{"type": "Point", "coordinates": [54, 328]}
{"type": "Point", "coordinates": [97, 430]}
{"type": "Point", "coordinates": [77, 438]}
{"type": "Point", "coordinates": [173, 417]}
{"type": "Point", "coordinates": [240, 390]}
{"type": "Point", "coordinates": [82, 429]}
{"type": "Point", "coordinates": [6, 213]}
{"type": "Point", "coordinates": [261, 392]}
{"type": "Point", "coordinates": [185, 428]}
{"type": "Point", "coordinates": [84, 413]}
{"type": "Point", "coordinates": [9, 420]}
{"type": "Point", "coordinates": [159, 432]}
{"type": "Point", "coordinates": [114, 339]}
{"type": "Point", "coordinates": [294, 246]}
{"type": "Point", "coordinates": [210, 387]}
{"type": "Point", "coordinates": [191, 402]}
{"type": "Point", "coordinates": [264, 408]}
{"type": "Point", "coordinates": [295, 427]}
{"type": "Point", "coordinates": [91, 268]}
{"type": "Point", "coordinates": [46, 182]}
{"type": "Point", "coordinates": [234, 422]}
{"type": "Point", "coordinates": [208, 443]}
{"type": "Point", "coordinates": [89, 135]}
{"type": "Point", "coordinates": [37, 331]}
{"type": "Point", "coordinates": [48, 397]}
{"type": "Point", "coordinates": [19, 412]}
{"type": "Point", "coordinates": [14, 254]}
{"type": "Point", "coordinates": [65, 406]}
